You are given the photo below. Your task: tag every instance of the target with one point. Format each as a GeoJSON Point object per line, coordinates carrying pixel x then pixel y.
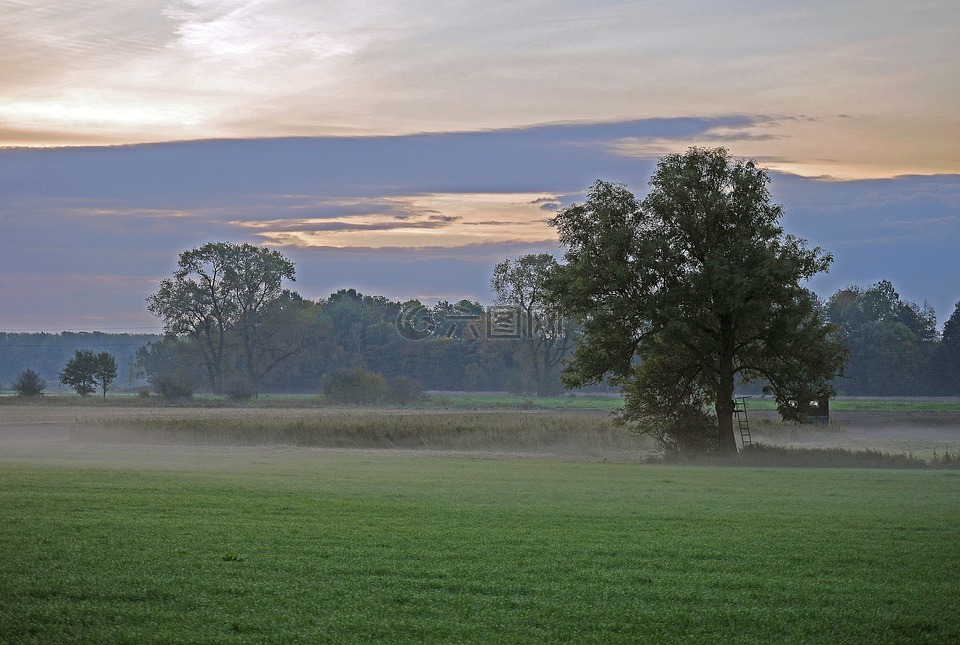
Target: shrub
{"type": "Point", "coordinates": [239, 390]}
{"type": "Point", "coordinates": [403, 390]}
{"type": "Point", "coordinates": [354, 385]}
{"type": "Point", "coordinates": [176, 385]}
{"type": "Point", "coordinates": [29, 383]}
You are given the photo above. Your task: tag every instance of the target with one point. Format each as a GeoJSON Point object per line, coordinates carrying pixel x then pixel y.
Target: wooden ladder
{"type": "Point", "coordinates": [740, 409]}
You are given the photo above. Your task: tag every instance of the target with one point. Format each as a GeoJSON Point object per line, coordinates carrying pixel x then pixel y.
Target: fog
{"type": "Point", "coordinates": [237, 439]}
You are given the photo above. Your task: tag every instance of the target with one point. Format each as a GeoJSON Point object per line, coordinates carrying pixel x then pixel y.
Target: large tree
{"type": "Point", "coordinates": [686, 293]}
{"type": "Point", "coordinates": [218, 296]}
{"type": "Point", "coordinates": [547, 337]}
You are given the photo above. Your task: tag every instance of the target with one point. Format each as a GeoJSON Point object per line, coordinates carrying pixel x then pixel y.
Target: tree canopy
{"type": "Point", "coordinates": [893, 348]}
{"type": "Point", "coordinates": [29, 383]}
{"type": "Point", "coordinates": [218, 295]}
{"type": "Point", "coordinates": [87, 371]}
{"type": "Point", "coordinates": [951, 335]}
{"type": "Point", "coordinates": [548, 337]}
{"type": "Point", "coordinates": [685, 294]}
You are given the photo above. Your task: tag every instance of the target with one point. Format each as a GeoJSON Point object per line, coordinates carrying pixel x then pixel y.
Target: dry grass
{"type": "Point", "coordinates": [565, 434]}
{"type": "Point", "coordinates": [588, 434]}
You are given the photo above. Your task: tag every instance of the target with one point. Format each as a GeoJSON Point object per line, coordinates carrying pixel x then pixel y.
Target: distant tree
{"type": "Point", "coordinates": [893, 343]}
{"type": "Point", "coordinates": [80, 372]}
{"type": "Point", "coordinates": [462, 320]}
{"type": "Point", "coordinates": [171, 366]}
{"type": "Point", "coordinates": [882, 303]}
{"type": "Point", "coordinates": [951, 341]}
{"type": "Point", "coordinates": [87, 371]}
{"type": "Point", "coordinates": [288, 326]}
{"type": "Point", "coordinates": [685, 294]}
{"type": "Point", "coordinates": [547, 335]}
{"type": "Point", "coordinates": [218, 296]}
{"type": "Point", "coordinates": [353, 316]}
{"type": "Point", "coordinates": [106, 371]}
{"type": "Point", "coordinates": [29, 383]}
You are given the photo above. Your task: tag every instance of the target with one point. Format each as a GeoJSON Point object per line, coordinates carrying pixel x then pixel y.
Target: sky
{"type": "Point", "coordinates": [404, 148]}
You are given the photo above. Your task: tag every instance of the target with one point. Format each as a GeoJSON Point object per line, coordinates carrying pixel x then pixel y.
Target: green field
{"type": "Point", "coordinates": [260, 545]}
{"type": "Point", "coordinates": [483, 401]}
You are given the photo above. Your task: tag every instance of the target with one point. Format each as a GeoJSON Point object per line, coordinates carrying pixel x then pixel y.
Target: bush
{"type": "Point", "coordinates": [403, 390]}
{"type": "Point", "coordinates": [354, 385]}
{"type": "Point", "coordinates": [29, 383]}
{"type": "Point", "coordinates": [239, 390]}
{"type": "Point", "coordinates": [174, 386]}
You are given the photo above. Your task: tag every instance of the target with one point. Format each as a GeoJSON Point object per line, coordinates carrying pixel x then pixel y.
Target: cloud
{"type": "Point", "coordinates": [549, 204]}
{"type": "Point", "coordinates": [401, 216]}
{"type": "Point", "coordinates": [902, 229]}
{"type": "Point", "coordinates": [148, 70]}
{"type": "Point", "coordinates": [827, 148]}
{"type": "Point", "coordinates": [431, 219]}
{"type": "Point", "coordinates": [307, 226]}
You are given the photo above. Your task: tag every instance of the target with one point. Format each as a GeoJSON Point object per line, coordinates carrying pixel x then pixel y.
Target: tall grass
{"type": "Point", "coordinates": [550, 433]}
{"type": "Point", "coordinates": [584, 433]}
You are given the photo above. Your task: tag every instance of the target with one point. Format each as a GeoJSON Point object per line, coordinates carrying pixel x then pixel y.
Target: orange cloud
{"type": "Point", "coordinates": [432, 219]}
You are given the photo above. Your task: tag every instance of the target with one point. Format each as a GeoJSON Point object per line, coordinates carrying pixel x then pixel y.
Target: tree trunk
{"type": "Point", "coordinates": [725, 404]}
{"type": "Point", "coordinates": [543, 383]}
{"type": "Point", "coordinates": [724, 408]}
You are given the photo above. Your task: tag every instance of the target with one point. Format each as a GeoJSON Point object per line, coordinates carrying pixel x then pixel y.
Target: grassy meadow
{"type": "Point", "coordinates": [119, 525]}
{"type": "Point", "coordinates": [276, 546]}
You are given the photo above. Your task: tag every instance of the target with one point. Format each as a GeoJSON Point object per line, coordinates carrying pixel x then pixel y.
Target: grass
{"type": "Point", "coordinates": [452, 401]}
{"type": "Point", "coordinates": [765, 455]}
{"type": "Point", "coordinates": [473, 401]}
{"type": "Point", "coordinates": [558, 433]}
{"type": "Point", "coordinates": [893, 404]}
{"type": "Point", "coordinates": [272, 546]}
{"type": "Point", "coordinates": [573, 432]}
{"type": "Point", "coordinates": [503, 401]}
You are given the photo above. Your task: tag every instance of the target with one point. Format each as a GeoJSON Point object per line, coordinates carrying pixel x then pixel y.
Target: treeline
{"type": "Point", "coordinates": [896, 347]}
{"type": "Point", "coordinates": [445, 347]}
{"type": "Point", "coordinates": [47, 354]}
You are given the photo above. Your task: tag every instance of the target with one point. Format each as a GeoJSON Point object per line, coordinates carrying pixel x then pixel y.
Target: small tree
{"type": "Point", "coordinates": [86, 372]}
{"type": "Point", "coordinates": [79, 372]}
{"type": "Point", "coordinates": [106, 371]}
{"type": "Point", "coordinates": [29, 383]}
